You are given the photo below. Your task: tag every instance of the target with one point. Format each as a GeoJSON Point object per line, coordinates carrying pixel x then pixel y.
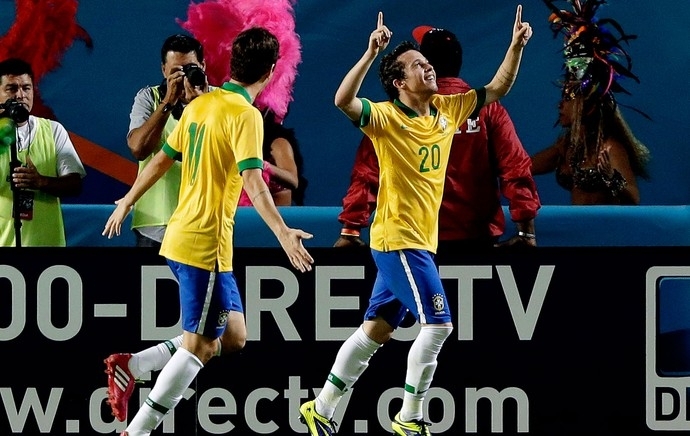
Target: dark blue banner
{"type": "Point", "coordinates": [547, 341]}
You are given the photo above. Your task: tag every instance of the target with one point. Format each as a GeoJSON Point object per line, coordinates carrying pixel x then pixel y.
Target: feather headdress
{"type": "Point", "coordinates": [216, 23]}
{"type": "Point", "coordinates": [41, 33]}
{"type": "Point", "coordinates": [595, 58]}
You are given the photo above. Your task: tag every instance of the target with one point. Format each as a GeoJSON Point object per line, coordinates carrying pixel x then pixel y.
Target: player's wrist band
{"type": "Point", "coordinates": [526, 235]}
{"type": "Point", "coordinates": [349, 232]}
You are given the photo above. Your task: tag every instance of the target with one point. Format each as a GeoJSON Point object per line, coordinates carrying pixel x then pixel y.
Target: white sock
{"type": "Point", "coordinates": [173, 380]}
{"type": "Point", "coordinates": [351, 361]}
{"type": "Point", "coordinates": [153, 358]}
{"type": "Point", "coordinates": [421, 365]}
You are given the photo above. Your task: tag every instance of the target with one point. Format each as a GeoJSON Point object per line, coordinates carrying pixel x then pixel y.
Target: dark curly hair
{"type": "Point", "coordinates": [391, 69]}
{"type": "Point", "coordinates": [254, 52]}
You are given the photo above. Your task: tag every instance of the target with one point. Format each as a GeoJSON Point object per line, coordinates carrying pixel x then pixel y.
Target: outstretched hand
{"type": "Point", "coordinates": [291, 241]}
{"type": "Point", "coordinates": [380, 37]}
{"type": "Point", "coordinates": [522, 31]}
{"type": "Point", "coordinates": [113, 226]}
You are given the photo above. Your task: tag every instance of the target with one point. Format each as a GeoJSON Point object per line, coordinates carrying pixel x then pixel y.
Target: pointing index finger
{"type": "Point", "coordinates": [518, 15]}
{"type": "Point", "coordinates": [379, 22]}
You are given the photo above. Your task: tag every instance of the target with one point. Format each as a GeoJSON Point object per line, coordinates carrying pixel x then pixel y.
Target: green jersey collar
{"type": "Point", "coordinates": [409, 112]}
{"type": "Point", "coordinates": [234, 87]}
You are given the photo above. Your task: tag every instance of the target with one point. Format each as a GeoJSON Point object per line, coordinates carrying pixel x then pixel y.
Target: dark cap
{"type": "Point", "coordinates": [441, 48]}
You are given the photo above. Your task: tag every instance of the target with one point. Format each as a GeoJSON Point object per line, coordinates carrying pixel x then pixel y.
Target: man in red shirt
{"type": "Point", "coordinates": [487, 161]}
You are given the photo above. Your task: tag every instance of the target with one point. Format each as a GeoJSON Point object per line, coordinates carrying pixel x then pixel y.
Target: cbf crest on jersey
{"type": "Point", "coordinates": [443, 122]}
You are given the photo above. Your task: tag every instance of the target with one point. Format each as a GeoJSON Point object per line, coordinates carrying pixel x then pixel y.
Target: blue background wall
{"type": "Point", "coordinates": [91, 93]}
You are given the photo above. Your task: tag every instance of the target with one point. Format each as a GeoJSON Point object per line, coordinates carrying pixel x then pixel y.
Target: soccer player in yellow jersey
{"type": "Point", "coordinates": [411, 134]}
{"type": "Point", "coordinates": [219, 138]}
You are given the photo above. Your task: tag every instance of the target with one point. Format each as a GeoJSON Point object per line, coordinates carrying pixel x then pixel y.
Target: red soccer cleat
{"type": "Point", "coordinates": [120, 384]}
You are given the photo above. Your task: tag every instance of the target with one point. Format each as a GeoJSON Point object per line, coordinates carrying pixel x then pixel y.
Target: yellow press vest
{"type": "Point", "coordinates": [155, 207]}
{"type": "Point", "coordinates": [46, 228]}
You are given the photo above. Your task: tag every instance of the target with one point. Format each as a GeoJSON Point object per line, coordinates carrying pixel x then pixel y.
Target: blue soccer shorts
{"type": "Point", "coordinates": [407, 280]}
{"type": "Point", "coordinates": [206, 298]}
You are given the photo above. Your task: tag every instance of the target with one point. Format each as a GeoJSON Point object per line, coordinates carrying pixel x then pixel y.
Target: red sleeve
{"type": "Point", "coordinates": [360, 200]}
{"type": "Point", "coordinates": [513, 165]}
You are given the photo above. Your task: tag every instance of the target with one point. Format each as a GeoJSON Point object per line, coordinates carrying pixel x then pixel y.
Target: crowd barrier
{"type": "Point", "coordinates": [556, 226]}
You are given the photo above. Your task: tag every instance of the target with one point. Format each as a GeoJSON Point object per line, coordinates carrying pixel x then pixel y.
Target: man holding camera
{"type": "Point", "coordinates": [46, 165]}
{"type": "Point", "coordinates": [154, 114]}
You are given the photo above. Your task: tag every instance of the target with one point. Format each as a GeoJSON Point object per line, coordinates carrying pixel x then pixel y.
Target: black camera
{"type": "Point", "coordinates": [195, 75]}
{"type": "Point", "coordinates": [14, 110]}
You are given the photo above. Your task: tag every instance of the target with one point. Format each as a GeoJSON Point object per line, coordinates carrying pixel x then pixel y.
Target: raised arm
{"type": "Point", "coordinates": [507, 71]}
{"type": "Point", "coordinates": [346, 96]}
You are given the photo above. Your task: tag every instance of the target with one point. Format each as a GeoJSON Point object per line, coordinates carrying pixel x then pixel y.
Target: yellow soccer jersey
{"type": "Point", "coordinates": [219, 135]}
{"type": "Point", "coordinates": [413, 155]}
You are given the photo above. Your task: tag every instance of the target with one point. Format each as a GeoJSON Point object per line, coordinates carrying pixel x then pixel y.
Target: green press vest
{"type": "Point", "coordinates": [46, 228]}
{"type": "Point", "coordinates": [155, 207]}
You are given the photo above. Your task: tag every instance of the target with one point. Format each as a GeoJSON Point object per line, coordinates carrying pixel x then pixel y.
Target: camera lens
{"type": "Point", "coordinates": [195, 75]}
{"type": "Point", "coordinates": [15, 111]}
{"type": "Point", "coordinates": [19, 113]}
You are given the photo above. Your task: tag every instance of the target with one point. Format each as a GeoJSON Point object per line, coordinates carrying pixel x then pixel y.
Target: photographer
{"type": "Point", "coordinates": [48, 166]}
{"type": "Point", "coordinates": [155, 112]}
